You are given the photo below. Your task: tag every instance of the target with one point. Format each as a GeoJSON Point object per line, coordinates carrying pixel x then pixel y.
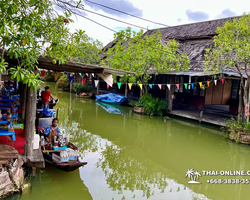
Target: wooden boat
{"type": "Point", "coordinates": [53, 157]}
{"type": "Point", "coordinates": [111, 102]}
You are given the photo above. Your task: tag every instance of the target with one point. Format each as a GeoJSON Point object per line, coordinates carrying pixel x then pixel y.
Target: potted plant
{"type": "Point", "coordinates": [82, 90]}
{"type": "Point", "coordinates": [149, 105]}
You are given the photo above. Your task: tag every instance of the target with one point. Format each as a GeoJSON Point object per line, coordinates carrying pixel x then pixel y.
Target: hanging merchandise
{"type": "Point", "coordinates": [130, 85]}
{"type": "Point", "coordinates": [83, 81]}
{"type": "Point", "coordinates": [57, 74]}
{"type": "Point", "coordinates": [96, 82]}
{"type": "Point", "coordinates": [119, 85]}
{"type": "Point", "coordinates": [150, 85]}
{"type": "Point", "coordinates": [159, 85]}
{"type": "Point", "coordinates": [140, 86]}
{"type": "Point", "coordinates": [42, 73]}
{"type": "Point", "coordinates": [70, 79]}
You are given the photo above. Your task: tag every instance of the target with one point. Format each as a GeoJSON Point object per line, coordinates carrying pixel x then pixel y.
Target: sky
{"type": "Point", "coordinates": [167, 12]}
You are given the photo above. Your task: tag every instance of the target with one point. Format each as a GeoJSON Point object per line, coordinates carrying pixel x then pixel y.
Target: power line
{"type": "Point", "coordinates": [126, 13]}
{"type": "Point", "coordinates": [75, 7]}
{"type": "Point", "coordinates": [115, 19]}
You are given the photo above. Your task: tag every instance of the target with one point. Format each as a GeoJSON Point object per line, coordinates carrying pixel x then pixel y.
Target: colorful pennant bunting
{"type": "Point", "coordinates": [57, 74]}
{"type": "Point", "coordinates": [83, 81]}
{"type": "Point", "coordinates": [51, 73]}
{"type": "Point", "coordinates": [80, 74]}
{"type": "Point", "coordinates": [168, 85]}
{"type": "Point", "coordinates": [119, 85]}
{"type": "Point", "coordinates": [192, 85]}
{"type": "Point", "coordinates": [159, 86]}
{"type": "Point", "coordinates": [200, 84]}
{"type": "Point", "coordinates": [130, 85]}
{"type": "Point", "coordinates": [208, 83]}
{"type": "Point", "coordinates": [222, 80]}
{"type": "Point", "coordinates": [215, 82]}
{"type": "Point", "coordinates": [140, 86]}
{"type": "Point", "coordinates": [96, 82]}
{"type": "Point", "coordinates": [150, 85]}
{"type": "Point", "coordinates": [93, 74]}
{"type": "Point", "coordinates": [185, 84]}
{"type": "Point", "coordinates": [107, 86]}
{"type": "Point", "coordinates": [87, 74]}
{"type": "Point", "coordinates": [70, 79]}
{"type": "Point", "coordinates": [178, 86]}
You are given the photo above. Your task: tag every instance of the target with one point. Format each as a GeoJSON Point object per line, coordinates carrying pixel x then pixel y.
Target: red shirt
{"type": "Point", "coordinates": [45, 96]}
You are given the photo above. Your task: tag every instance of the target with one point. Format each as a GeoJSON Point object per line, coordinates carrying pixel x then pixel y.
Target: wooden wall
{"type": "Point", "coordinates": [219, 94]}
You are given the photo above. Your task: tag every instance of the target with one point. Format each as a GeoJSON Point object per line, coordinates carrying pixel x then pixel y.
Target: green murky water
{"type": "Point", "coordinates": [132, 156]}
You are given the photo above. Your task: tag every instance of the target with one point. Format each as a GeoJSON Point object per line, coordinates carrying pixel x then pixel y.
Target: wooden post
{"type": "Point", "coordinates": [126, 89]}
{"type": "Point", "coordinates": [30, 121]}
{"type": "Point", "coordinates": [170, 100]}
{"type": "Point", "coordinates": [24, 99]}
{"type": "Point", "coordinates": [97, 87]}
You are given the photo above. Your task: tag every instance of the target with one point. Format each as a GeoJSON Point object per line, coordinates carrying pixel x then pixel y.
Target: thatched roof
{"type": "Point", "coordinates": [203, 29]}
{"type": "Point", "coordinates": [193, 39]}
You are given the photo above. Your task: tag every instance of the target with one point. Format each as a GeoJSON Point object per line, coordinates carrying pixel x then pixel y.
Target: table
{"type": "Point", "coordinates": [10, 135]}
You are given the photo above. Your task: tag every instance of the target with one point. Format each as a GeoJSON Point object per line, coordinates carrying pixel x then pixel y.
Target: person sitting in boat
{"type": "Point", "coordinates": [52, 131]}
{"type": "Point", "coordinates": [45, 97]}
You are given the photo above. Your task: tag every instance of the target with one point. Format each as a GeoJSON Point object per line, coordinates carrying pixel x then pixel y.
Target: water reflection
{"type": "Point", "coordinates": [136, 156]}
{"type": "Point", "coordinates": [112, 108]}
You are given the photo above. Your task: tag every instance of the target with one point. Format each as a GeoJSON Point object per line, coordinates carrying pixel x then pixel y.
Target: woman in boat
{"type": "Point", "coordinates": [52, 131]}
{"type": "Point", "coordinates": [45, 97]}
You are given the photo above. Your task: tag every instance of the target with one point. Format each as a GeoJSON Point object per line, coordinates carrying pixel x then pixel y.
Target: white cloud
{"type": "Point", "coordinates": [164, 11]}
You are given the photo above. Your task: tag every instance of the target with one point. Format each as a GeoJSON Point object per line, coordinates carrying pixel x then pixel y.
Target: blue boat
{"type": "Point", "coordinates": [111, 98]}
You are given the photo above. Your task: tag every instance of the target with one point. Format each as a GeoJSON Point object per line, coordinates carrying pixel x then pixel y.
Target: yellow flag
{"type": "Point", "coordinates": [57, 74]}
{"type": "Point", "coordinates": [140, 86]}
{"type": "Point", "coordinates": [130, 85]}
{"type": "Point", "coordinates": [200, 84]}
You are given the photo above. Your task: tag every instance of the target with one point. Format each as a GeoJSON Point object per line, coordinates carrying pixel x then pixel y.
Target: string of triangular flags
{"type": "Point", "coordinates": [208, 83]}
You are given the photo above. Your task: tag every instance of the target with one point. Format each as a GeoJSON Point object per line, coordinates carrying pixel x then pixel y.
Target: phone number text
{"type": "Point", "coordinates": [229, 181]}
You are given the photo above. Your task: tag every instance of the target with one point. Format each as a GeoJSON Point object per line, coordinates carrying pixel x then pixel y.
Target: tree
{"type": "Point", "coordinates": [232, 51]}
{"type": "Point", "coordinates": [140, 53]}
{"type": "Point", "coordinates": [27, 27]}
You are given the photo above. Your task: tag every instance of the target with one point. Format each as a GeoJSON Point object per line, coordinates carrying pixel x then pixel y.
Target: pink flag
{"type": "Point", "coordinates": [159, 86]}
{"type": "Point", "coordinates": [87, 74]}
{"type": "Point", "coordinates": [107, 86]}
{"type": "Point", "coordinates": [178, 86]}
{"type": "Point", "coordinates": [222, 80]}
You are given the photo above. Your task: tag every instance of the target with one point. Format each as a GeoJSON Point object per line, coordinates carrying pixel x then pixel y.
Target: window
{"type": "Point", "coordinates": [181, 84]}
{"type": "Point", "coordinates": [235, 89]}
{"type": "Point", "coordinates": [176, 81]}
{"type": "Point", "coordinates": [196, 91]}
{"type": "Point", "coordinates": [202, 91]}
{"type": "Point", "coordinates": [187, 80]}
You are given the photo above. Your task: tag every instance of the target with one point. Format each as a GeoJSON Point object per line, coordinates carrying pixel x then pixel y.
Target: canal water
{"type": "Point", "coordinates": [132, 156]}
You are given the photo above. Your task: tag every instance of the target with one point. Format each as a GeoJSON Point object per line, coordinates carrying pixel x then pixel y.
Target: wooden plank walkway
{"type": "Point", "coordinates": [195, 115]}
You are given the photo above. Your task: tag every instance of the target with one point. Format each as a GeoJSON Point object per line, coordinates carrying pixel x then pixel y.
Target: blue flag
{"type": "Point", "coordinates": [150, 85]}
{"type": "Point", "coordinates": [192, 85]}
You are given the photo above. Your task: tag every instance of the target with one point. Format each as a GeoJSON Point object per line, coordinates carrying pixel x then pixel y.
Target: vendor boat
{"type": "Point", "coordinates": [111, 98]}
{"type": "Point", "coordinates": [53, 158]}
